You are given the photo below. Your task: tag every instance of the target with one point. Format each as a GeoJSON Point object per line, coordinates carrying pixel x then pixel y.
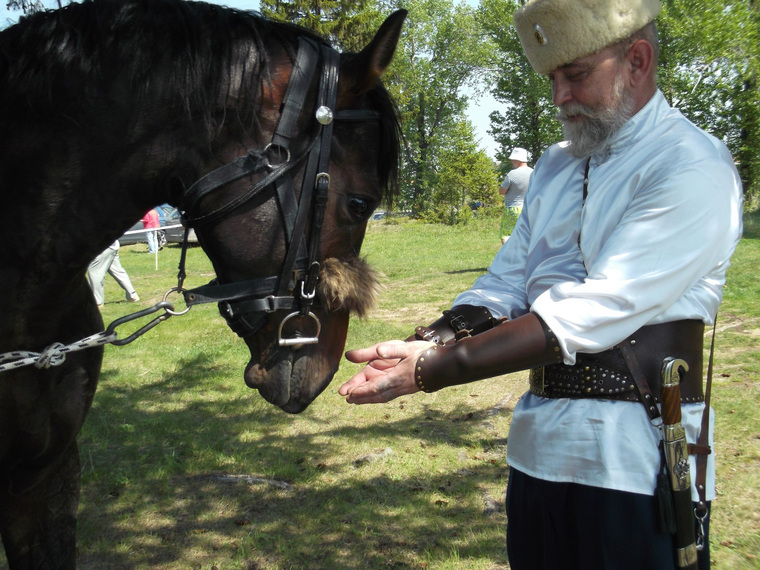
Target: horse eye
{"type": "Point", "coordinates": [359, 207]}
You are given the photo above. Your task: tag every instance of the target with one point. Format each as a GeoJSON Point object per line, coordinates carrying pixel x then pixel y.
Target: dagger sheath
{"type": "Point", "coordinates": [677, 461]}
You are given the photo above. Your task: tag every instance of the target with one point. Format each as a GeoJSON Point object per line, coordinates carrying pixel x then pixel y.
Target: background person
{"type": "Point", "coordinates": [150, 221]}
{"type": "Point", "coordinates": [513, 189]}
{"type": "Point", "coordinates": [108, 262]}
{"type": "Point", "coordinates": [622, 248]}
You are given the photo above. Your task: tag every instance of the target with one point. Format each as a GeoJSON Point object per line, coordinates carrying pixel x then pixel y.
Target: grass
{"type": "Point", "coordinates": [736, 514]}
{"type": "Point", "coordinates": [185, 467]}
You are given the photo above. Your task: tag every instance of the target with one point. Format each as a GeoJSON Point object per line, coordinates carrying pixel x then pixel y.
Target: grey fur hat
{"type": "Point", "coordinates": [556, 32]}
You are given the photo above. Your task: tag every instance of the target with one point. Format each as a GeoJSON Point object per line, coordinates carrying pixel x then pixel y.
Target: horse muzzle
{"type": "Point", "coordinates": [295, 350]}
{"type": "Point", "coordinates": [292, 376]}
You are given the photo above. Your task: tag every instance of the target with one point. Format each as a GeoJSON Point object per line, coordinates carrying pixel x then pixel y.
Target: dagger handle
{"type": "Point", "coordinates": [670, 391]}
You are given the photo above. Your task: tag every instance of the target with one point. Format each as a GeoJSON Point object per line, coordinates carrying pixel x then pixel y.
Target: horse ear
{"type": "Point", "coordinates": [362, 71]}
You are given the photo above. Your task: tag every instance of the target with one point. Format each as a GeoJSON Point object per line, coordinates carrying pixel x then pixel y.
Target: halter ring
{"type": "Point", "coordinates": [171, 311]}
{"type": "Point", "coordinates": [297, 341]}
{"type": "Point", "coordinates": [279, 151]}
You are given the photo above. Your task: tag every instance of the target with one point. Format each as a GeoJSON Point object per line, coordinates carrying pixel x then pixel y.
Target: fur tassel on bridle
{"type": "Point", "coordinates": [348, 285]}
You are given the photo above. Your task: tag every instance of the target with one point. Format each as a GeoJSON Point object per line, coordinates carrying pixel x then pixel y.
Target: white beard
{"type": "Point", "coordinates": [593, 135]}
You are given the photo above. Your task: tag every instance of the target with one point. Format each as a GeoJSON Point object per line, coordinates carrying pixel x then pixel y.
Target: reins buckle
{"type": "Point", "coordinates": [322, 178]}
{"type": "Point", "coordinates": [310, 295]}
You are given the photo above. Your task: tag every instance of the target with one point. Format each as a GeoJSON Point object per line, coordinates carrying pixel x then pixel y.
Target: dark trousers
{"type": "Point", "coordinates": [569, 526]}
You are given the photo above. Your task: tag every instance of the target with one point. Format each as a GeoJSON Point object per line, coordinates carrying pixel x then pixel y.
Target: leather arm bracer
{"type": "Point", "coordinates": [461, 321]}
{"type": "Point", "coordinates": [523, 343]}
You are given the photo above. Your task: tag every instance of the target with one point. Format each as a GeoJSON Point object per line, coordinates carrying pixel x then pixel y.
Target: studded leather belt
{"type": "Point", "coordinates": [606, 375]}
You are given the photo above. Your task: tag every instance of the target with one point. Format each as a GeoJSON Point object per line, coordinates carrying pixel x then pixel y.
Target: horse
{"type": "Point", "coordinates": [275, 148]}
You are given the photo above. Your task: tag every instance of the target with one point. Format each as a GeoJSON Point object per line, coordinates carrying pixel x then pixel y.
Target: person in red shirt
{"type": "Point", "coordinates": [150, 220]}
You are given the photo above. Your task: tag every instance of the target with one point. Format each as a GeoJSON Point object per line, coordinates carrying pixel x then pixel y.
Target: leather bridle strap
{"type": "Point", "coordinates": [294, 211]}
{"type": "Point", "coordinates": [252, 163]}
{"type": "Point", "coordinates": [702, 450]}
{"type": "Point", "coordinates": [257, 161]}
{"type": "Point", "coordinates": [292, 105]}
{"type": "Point", "coordinates": [316, 170]}
{"type": "Point", "coordinates": [245, 304]}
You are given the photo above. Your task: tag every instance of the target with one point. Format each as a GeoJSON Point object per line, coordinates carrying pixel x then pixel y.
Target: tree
{"type": "Point", "coordinates": [442, 54]}
{"type": "Point", "coordinates": [29, 6]}
{"type": "Point", "coordinates": [466, 177]}
{"type": "Point", "coordinates": [709, 67]}
{"type": "Point", "coordinates": [347, 24]}
{"type": "Point", "coordinates": [748, 106]}
{"type": "Point", "coordinates": [26, 6]}
{"type": "Point", "coordinates": [529, 119]}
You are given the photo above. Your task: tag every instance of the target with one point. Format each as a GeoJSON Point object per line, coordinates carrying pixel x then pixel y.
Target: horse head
{"type": "Point", "coordinates": [283, 222]}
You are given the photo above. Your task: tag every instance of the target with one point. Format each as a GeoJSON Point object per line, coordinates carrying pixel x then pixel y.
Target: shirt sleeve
{"type": "Point", "coordinates": [664, 259]}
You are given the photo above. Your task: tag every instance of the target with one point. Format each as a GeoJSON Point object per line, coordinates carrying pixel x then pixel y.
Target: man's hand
{"type": "Point", "coordinates": [389, 372]}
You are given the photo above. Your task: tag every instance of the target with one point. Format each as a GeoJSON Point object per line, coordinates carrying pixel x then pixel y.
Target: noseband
{"type": "Point", "coordinates": [245, 304]}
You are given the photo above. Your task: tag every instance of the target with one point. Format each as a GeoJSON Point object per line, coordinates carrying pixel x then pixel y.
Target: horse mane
{"type": "Point", "coordinates": [190, 56]}
{"type": "Point", "coordinates": [132, 66]}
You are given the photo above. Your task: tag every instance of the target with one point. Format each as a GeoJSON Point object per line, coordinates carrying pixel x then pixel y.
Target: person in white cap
{"type": "Point", "coordinates": [513, 189]}
{"type": "Point", "coordinates": [617, 263]}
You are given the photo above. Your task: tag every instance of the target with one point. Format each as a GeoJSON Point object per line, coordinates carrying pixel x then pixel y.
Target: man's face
{"type": "Point", "coordinates": [593, 100]}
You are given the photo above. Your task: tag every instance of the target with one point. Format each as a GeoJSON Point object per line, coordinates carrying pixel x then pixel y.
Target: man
{"type": "Point", "coordinates": [108, 262]}
{"type": "Point", "coordinates": [513, 188]}
{"type": "Point", "coordinates": [151, 221]}
{"type": "Point", "coordinates": [622, 248]}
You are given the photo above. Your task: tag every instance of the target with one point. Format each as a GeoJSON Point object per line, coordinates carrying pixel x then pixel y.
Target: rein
{"type": "Point", "coordinates": [246, 304]}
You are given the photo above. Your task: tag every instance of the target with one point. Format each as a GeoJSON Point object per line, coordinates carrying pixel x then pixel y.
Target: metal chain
{"type": "Point", "coordinates": [55, 354]}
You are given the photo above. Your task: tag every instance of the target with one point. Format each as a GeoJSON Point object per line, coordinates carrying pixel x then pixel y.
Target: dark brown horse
{"type": "Point", "coordinates": [276, 149]}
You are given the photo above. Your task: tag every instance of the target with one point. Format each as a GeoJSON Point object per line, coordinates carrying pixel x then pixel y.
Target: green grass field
{"type": "Point", "coordinates": [185, 467]}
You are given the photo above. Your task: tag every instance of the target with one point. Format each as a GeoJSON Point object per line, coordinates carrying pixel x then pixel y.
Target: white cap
{"type": "Point", "coordinates": [519, 154]}
{"type": "Point", "coordinates": [554, 33]}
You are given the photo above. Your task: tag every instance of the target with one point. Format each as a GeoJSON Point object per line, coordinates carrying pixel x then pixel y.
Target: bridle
{"type": "Point", "coordinates": [246, 304]}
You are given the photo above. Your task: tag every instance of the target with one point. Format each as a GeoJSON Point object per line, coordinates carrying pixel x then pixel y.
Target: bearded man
{"type": "Point", "coordinates": [616, 263]}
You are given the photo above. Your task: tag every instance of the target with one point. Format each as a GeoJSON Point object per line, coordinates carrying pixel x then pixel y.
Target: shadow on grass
{"type": "Point", "coordinates": [156, 494]}
{"type": "Point", "coordinates": [478, 270]}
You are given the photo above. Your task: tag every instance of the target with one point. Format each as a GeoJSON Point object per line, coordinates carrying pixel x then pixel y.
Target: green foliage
{"type": "Point", "coordinates": [709, 66]}
{"type": "Point", "coordinates": [528, 120]}
{"type": "Point", "coordinates": [466, 176]}
{"type": "Point", "coordinates": [349, 25]}
{"type": "Point", "coordinates": [442, 53]}
{"type": "Point", "coordinates": [449, 214]}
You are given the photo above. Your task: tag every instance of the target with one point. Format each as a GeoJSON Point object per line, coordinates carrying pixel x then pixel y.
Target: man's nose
{"type": "Point", "coordinates": [561, 92]}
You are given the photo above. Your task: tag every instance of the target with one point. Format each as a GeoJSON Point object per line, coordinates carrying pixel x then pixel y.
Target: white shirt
{"type": "Point", "coordinates": [659, 225]}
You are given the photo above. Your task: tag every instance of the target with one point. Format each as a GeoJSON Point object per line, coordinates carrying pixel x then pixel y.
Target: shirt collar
{"type": "Point", "coordinates": [635, 128]}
